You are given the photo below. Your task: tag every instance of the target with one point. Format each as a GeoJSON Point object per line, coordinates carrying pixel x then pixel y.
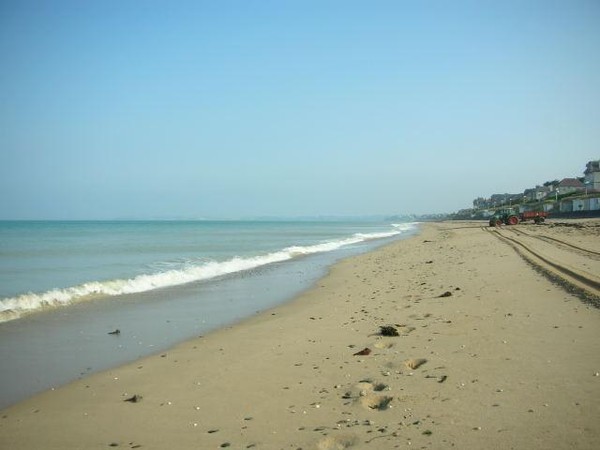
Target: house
{"type": "Point", "coordinates": [570, 185]}
{"type": "Point", "coordinates": [504, 199]}
{"type": "Point", "coordinates": [482, 203]}
{"type": "Point", "coordinates": [592, 176]}
{"type": "Point", "coordinates": [537, 193]}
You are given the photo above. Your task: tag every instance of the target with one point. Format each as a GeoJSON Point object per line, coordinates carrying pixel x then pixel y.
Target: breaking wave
{"type": "Point", "coordinates": [15, 307]}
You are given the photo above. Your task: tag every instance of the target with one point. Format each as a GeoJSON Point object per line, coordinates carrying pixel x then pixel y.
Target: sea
{"type": "Point", "coordinates": [78, 297]}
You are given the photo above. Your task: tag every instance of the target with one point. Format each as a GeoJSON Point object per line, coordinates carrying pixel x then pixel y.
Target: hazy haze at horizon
{"type": "Point", "coordinates": [213, 109]}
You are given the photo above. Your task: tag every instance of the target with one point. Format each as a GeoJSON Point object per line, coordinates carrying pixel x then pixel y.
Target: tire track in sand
{"type": "Point", "coordinates": [577, 282]}
{"type": "Point", "coordinates": [552, 240]}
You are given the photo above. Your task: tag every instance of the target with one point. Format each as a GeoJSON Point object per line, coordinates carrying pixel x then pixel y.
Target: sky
{"type": "Point", "coordinates": [232, 109]}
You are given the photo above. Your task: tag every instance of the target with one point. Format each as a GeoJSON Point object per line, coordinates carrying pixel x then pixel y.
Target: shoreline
{"type": "Point", "coordinates": [490, 354]}
{"type": "Point", "coordinates": [68, 343]}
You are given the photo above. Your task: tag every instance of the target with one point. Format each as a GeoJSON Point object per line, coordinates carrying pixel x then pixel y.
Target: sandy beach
{"type": "Point", "coordinates": [490, 340]}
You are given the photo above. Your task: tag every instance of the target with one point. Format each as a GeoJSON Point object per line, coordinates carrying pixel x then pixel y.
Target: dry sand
{"type": "Point", "coordinates": [490, 354]}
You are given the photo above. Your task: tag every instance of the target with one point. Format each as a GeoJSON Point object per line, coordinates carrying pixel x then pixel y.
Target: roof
{"type": "Point", "coordinates": [571, 182]}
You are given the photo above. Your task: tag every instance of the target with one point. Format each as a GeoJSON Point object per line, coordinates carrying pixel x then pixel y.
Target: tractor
{"type": "Point", "coordinates": [504, 216]}
{"type": "Point", "coordinates": [509, 216]}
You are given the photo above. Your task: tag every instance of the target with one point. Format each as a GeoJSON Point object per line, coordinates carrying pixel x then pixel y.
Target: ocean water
{"type": "Point", "coordinates": [54, 264]}
{"type": "Point", "coordinates": [65, 285]}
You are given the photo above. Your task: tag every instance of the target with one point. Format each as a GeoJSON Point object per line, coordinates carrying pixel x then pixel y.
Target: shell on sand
{"type": "Point", "coordinates": [414, 363]}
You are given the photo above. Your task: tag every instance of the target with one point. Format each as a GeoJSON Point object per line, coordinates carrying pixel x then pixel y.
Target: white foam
{"type": "Point", "coordinates": [407, 226]}
{"type": "Point", "coordinates": [14, 307]}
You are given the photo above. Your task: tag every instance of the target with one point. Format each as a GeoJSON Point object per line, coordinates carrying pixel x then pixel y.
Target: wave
{"type": "Point", "coordinates": [15, 307]}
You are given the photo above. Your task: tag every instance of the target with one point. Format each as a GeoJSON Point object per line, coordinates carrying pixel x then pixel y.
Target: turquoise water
{"type": "Point", "coordinates": [50, 264]}
{"type": "Point", "coordinates": [64, 286]}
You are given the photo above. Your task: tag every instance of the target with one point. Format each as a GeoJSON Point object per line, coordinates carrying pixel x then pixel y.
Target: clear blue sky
{"type": "Point", "coordinates": [172, 109]}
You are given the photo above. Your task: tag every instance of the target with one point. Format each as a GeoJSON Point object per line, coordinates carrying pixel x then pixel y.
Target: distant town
{"type": "Point", "coordinates": [569, 197]}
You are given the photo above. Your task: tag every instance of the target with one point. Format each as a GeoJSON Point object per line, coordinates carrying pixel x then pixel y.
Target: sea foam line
{"type": "Point", "coordinates": [15, 307]}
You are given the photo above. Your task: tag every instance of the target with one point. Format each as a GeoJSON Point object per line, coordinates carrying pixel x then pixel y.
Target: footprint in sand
{"type": "Point", "coordinates": [405, 330]}
{"type": "Point", "coordinates": [338, 442]}
{"type": "Point", "coordinates": [383, 345]}
{"type": "Point", "coordinates": [369, 386]}
{"type": "Point", "coordinates": [366, 393]}
{"type": "Point", "coordinates": [376, 402]}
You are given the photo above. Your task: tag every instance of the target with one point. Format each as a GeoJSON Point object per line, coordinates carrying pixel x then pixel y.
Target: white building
{"type": "Point", "coordinates": [592, 175]}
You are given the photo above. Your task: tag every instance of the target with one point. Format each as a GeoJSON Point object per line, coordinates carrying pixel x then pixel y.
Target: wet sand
{"type": "Point", "coordinates": [489, 353]}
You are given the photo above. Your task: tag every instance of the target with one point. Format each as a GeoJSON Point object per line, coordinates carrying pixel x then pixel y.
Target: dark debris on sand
{"type": "Point", "coordinates": [388, 330]}
{"type": "Point", "coordinates": [365, 351]}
